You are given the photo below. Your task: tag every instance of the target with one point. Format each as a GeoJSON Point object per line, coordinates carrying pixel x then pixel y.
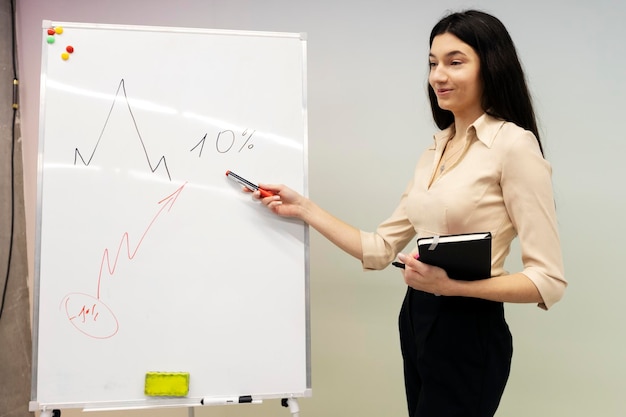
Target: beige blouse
{"type": "Point", "coordinates": [501, 184]}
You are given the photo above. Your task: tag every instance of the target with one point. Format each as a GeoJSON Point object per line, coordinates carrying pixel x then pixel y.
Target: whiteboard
{"type": "Point", "coordinates": [149, 259]}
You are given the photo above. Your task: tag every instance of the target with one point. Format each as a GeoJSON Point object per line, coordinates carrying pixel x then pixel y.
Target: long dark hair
{"type": "Point", "coordinates": [505, 93]}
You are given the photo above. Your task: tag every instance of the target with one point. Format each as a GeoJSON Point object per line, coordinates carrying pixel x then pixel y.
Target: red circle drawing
{"type": "Point", "coordinates": [90, 315]}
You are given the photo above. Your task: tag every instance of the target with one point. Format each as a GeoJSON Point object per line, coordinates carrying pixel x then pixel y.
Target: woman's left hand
{"type": "Point", "coordinates": [424, 277]}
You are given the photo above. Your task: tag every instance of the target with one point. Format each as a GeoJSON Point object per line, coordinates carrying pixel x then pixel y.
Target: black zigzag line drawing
{"type": "Point", "coordinates": [121, 87]}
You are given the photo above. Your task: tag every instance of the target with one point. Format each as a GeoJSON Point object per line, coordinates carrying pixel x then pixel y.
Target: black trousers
{"type": "Point", "coordinates": [457, 355]}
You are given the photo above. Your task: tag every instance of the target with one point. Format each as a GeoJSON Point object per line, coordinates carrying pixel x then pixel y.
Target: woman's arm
{"type": "Point", "coordinates": [288, 203]}
{"type": "Point", "coordinates": [514, 288]}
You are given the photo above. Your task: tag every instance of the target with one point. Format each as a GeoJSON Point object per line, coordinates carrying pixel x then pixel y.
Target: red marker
{"type": "Point", "coordinates": [250, 186]}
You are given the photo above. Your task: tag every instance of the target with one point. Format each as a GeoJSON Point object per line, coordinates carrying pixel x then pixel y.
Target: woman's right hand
{"type": "Point", "coordinates": [285, 202]}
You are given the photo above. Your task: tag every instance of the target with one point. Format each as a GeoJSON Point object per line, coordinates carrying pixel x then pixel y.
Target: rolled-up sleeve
{"type": "Point", "coordinates": [391, 236]}
{"type": "Point", "coordinates": [527, 190]}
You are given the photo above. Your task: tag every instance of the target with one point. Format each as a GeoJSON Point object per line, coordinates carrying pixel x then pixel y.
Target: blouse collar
{"type": "Point", "coordinates": [485, 128]}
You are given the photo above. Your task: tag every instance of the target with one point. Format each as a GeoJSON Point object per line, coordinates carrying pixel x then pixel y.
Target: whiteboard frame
{"type": "Point", "coordinates": [166, 402]}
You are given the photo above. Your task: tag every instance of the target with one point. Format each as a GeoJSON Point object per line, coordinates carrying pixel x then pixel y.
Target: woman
{"type": "Point", "coordinates": [485, 172]}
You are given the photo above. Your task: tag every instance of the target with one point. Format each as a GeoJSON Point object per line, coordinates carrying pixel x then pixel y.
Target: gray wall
{"type": "Point", "coordinates": [369, 121]}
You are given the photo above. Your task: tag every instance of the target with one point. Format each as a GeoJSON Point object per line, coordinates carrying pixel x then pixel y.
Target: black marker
{"type": "Point", "coordinates": [401, 265]}
{"type": "Point", "coordinates": [250, 186]}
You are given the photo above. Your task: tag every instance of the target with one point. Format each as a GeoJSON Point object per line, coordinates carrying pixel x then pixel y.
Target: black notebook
{"type": "Point", "coordinates": [464, 257]}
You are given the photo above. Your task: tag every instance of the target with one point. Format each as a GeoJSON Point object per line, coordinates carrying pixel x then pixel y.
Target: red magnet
{"type": "Point", "coordinates": [69, 49]}
{"type": "Point", "coordinates": [51, 31]}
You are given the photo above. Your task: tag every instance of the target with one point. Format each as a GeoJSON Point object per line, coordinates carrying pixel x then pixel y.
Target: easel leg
{"type": "Point", "coordinates": [191, 412]}
{"type": "Point", "coordinates": [293, 407]}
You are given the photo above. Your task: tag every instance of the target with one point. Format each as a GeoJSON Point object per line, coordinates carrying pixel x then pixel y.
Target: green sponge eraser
{"type": "Point", "coordinates": [167, 384]}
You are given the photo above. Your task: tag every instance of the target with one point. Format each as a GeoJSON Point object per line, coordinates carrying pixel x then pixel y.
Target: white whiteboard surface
{"type": "Point", "coordinates": [148, 257]}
